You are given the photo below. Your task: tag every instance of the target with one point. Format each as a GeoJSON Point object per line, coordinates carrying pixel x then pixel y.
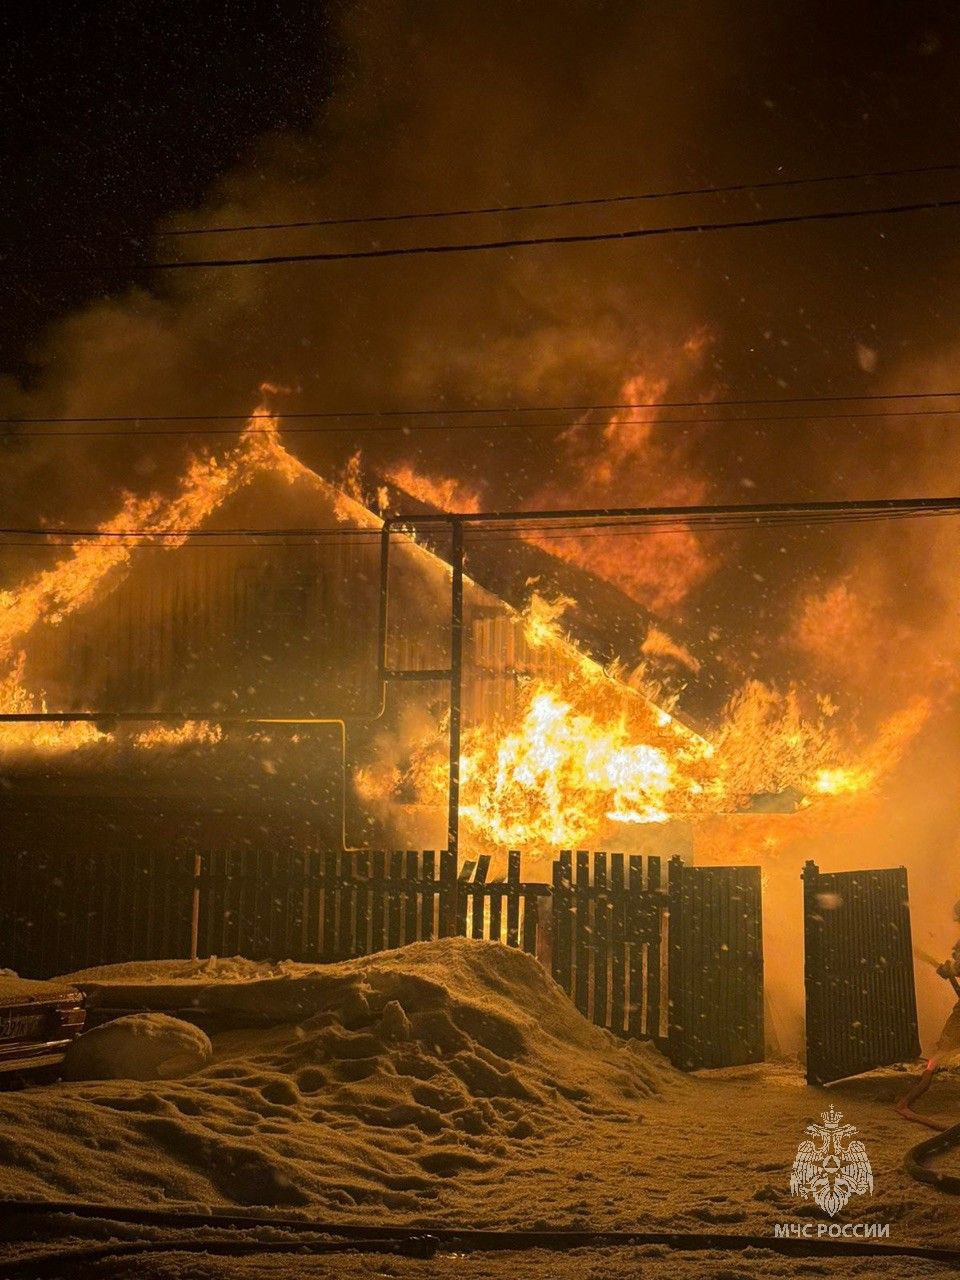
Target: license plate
{"type": "Point", "coordinates": [15, 1025]}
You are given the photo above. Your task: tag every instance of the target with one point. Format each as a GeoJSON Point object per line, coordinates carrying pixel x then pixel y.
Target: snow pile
{"type": "Point", "coordinates": [142, 1046]}
{"type": "Point", "coordinates": [13, 988]}
{"type": "Point", "coordinates": [413, 1080]}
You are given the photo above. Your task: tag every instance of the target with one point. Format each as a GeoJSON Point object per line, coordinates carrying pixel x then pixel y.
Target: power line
{"type": "Point", "coordinates": [528, 242]}
{"type": "Point", "coordinates": [594, 201]}
{"type": "Point", "coordinates": [539, 533]}
{"type": "Point", "coordinates": [428, 411]}
{"type": "Point", "coordinates": [368, 429]}
{"type": "Point", "coordinates": [575, 521]}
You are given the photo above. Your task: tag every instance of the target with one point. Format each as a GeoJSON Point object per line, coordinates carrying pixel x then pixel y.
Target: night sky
{"type": "Point", "coordinates": [114, 114]}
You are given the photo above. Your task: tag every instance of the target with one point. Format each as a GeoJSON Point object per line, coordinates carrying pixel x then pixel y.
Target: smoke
{"type": "Point", "coordinates": [442, 106]}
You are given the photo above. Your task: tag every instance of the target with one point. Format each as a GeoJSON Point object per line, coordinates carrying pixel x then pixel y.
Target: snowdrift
{"type": "Point", "coordinates": [417, 1079]}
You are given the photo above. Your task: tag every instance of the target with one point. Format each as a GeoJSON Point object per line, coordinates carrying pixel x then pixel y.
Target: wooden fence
{"type": "Point", "coordinates": [616, 938]}
{"type": "Point", "coordinates": [66, 910]}
{"type": "Point", "coordinates": [335, 906]}
{"type": "Point", "coordinates": [607, 940]}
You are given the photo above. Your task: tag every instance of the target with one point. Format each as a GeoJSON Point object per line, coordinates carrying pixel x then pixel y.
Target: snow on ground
{"type": "Point", "coordinates": [452, 1083]}
{"type": "Point", "coordinates": [406, 1082]}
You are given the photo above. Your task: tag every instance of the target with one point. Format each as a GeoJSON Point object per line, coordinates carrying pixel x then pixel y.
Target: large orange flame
{"type": "Point", "coordinates": [94, 566]}
{"type": "Point", "coordinates": [590, 749]}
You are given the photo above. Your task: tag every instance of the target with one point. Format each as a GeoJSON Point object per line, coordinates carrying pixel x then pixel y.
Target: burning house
{"type": "Point", "coordinates": [256, 660]}
{"type": "Point", "coordinates": [227, 687]}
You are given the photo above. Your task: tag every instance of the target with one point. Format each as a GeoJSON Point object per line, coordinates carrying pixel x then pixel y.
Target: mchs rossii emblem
{"type": "Point", "coordinates": [831, 1166]}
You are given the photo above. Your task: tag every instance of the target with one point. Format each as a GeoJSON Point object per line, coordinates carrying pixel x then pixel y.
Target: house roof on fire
{"type": "Point", "coordinates": [115, 625]}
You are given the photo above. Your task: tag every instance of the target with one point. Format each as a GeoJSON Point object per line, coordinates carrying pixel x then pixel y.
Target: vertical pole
{"type": "Point", "coordinates": [382, 619]}
{"type": "Point", "coordinates": [195, 912]}
{"type": "Point", "coordinates": [456, 684]}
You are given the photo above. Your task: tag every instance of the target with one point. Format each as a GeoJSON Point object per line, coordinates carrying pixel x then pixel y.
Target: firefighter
{"type": "Point", "coordinates": [946, 1053]}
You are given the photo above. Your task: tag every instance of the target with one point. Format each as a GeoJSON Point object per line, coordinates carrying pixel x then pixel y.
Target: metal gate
{"type": "Point", "coordinates": [858, 970]}
{"type": "Point", "coordinates": [715, 966]}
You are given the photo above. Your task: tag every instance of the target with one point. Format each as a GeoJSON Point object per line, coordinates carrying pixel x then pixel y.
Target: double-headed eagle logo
{"type": "Point", "coordinates": [830, 1167]}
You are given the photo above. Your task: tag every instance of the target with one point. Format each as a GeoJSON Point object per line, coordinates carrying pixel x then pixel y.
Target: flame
{"type": "Point", "coordinates": [190, 733]}
{"type": "Point", "coordinates": [628, 461]}
{"type": "Point", "coordinates": [657, 644]}
{"type": "Point", "coordinates": [443, 492]}
{"type": "Point", "coordinates": [592, 748]}
{"type": "Point", "coordinates": [94, 566]}
{"type": "Point", "coordinates": [631, 462]}
{"type": "Point", "coordinates": [46, 736]}
{"type": "Point", "coordinates": [589, 747]}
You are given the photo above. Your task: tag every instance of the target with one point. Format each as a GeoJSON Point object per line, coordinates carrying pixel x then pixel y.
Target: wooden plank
{"type": "Point", "coordinates": [277, 867]}
{"type": "Point", "coordinates": [208, 897]}
{"type": "Point", "coordinates": [601, 930]}
{"type": "Point", "coordinates": [394, 892]}
{"type": "Point", "coordinates": [513, 898]}
{"type": "Point", "coordinates": [448, 892]}
{"type": "Point", "coordinates": [427, 925]}
{"type": "Point", "coordinates": [248, 863]}
{"type": "Point", "coordinates": [329, 945]}
{"type": "Point", "coordinates": [636, 909]}
{"type": "Point", "coordinates": [531, 914]}
{"type": "Point", "coordinates": [411, 910]}
{"type": "Point", "coordinates": [556, 899]}
{"type": "Point", "coordinates": [261, 904]}
{"type": "Point", "coordinates": [301, 910]}
{"type": "Point", "coordinates": [361, 918]}
{"type": "Point", "coordinates": [562, 919]}
{"type": "Point", "coordinates": [496, 892]}
{"type": "Point", "coordinates": [232, 916]}
{"type": "Point", "coordinates": [584, 934]}
{"type": "Point", "coordinates": [618, 933]}
{"type": "Point", "coordinates": [345, 890]}
{"type": "Point", "coordinates": [378, 900]}
{"type": "Point", "coordinates": [654, 921]}
{"type": "Point", "coordinates": [676, 973]}
{"type": "Point", "coordinates": [464, 877]}
{"type": "Point", "coordinates": [478, 897]}
{"type": "Point", "coordinates": [218, 886]}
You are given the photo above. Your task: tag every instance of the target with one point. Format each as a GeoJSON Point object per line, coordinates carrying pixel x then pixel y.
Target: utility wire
{"type": "Point", "coordinates": [729, 189]}
{"type": "Point", "coordinates": [368, 429]}
{"type": "Point", "coordinates": [428, 411]}
{"type": "Point", "coordinates": [575, 521]}
{"type": "Point", "coordinates": [528, 242]}
{"type": "Point", "coordinates": [538, 534]}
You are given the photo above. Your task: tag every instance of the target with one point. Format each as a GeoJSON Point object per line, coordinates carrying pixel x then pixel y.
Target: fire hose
{"type": "Point", "coordinates": [915, 1161]}
{"type": "Point", "coordinates": [420, 1242]}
